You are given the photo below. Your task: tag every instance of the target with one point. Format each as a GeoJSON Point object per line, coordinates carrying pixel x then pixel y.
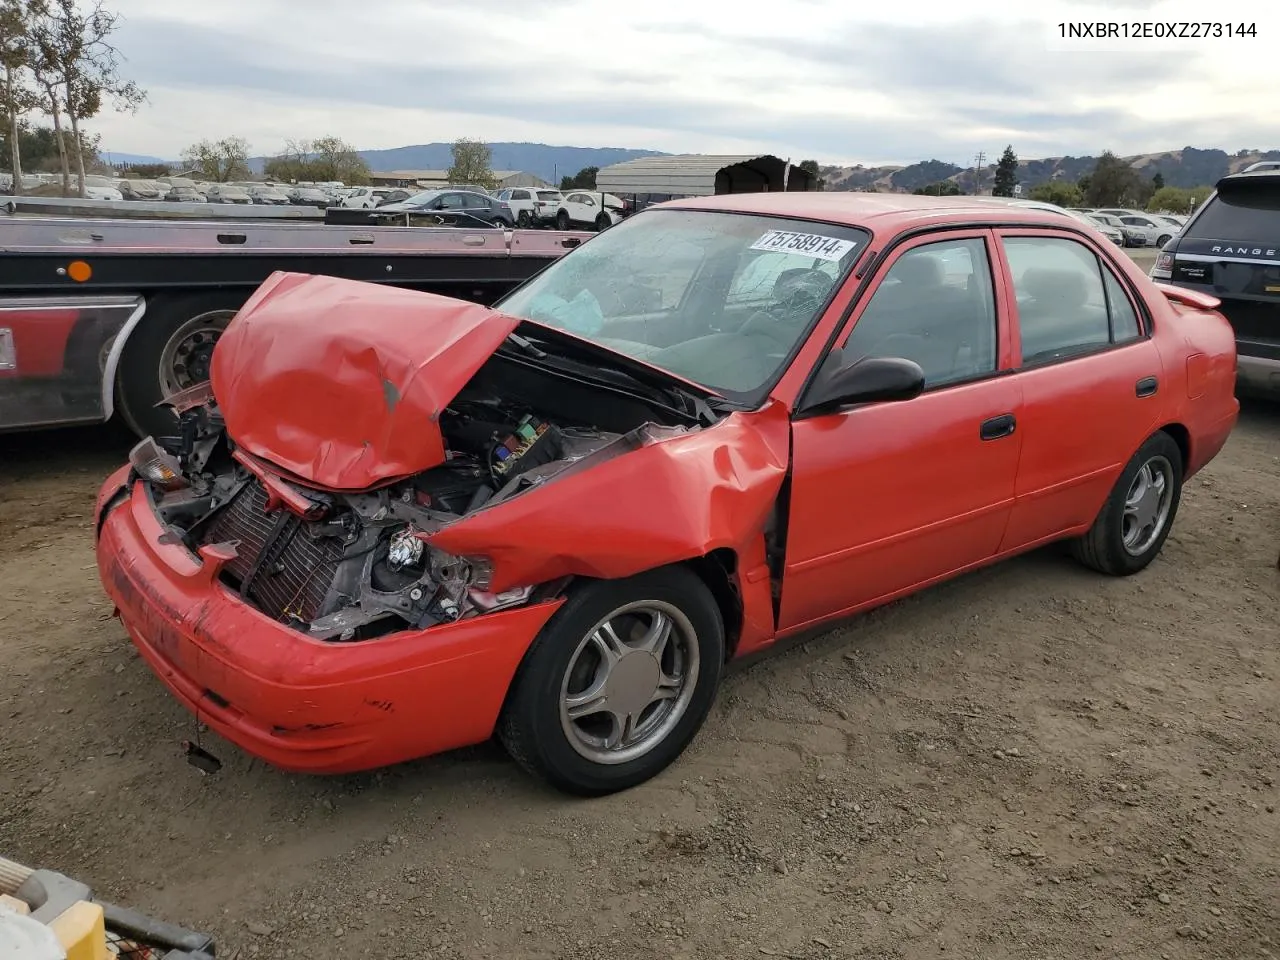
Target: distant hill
{"type": "Point", "coordinates": [1188, 167]}
{"type": "Point", "coordinates": [548, 162]}
{"type": "Point", "coordinates": [130, 158]}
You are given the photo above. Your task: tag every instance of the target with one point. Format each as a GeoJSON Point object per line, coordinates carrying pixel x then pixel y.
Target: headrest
{"type": "Point", "coordinates": [919, 270]}
{"type": "Point", "coordinates": [1065, 288]}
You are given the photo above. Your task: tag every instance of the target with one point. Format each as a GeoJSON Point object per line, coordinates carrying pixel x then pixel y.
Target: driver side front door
{"type": "Point", "coordinates": [889, 497]}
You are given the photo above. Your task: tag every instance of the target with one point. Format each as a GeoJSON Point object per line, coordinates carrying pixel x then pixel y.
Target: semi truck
{"type": "Point", "coordinates": [103, 318]}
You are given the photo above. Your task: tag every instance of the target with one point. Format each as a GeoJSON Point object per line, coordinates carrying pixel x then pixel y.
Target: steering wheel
{"type": "Point", "coordinates": [796, 296]}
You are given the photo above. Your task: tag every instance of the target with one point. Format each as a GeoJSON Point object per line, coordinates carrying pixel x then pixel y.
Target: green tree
{"type": "Point", "coordinates": [943, 188]}
{"type": "Point", "coordinates": [219, 160]}
{"type": "Point", "coordinates": [149, 171]}
{"type": "Point", "coordinates": [1056, 191]}
{"type": "Point", "coordinates": [1113, 183]}
{"type": "Point", "coordinates": [584, 179]}
{"type": "Point", "coordinates": [79, 69]}
{"type": "Point", "coordinates": [1006, 174]}
{"type": "Point", "coordinates": [17, 98]}
{"type": "Point", "coordinates": [335, 159]}
{"type": "Point", "coordinates": [1157, 181]}
{"type": "Point", "coordinates": [472, 164]}
{"type": "Point", "coordinates": [37, 148]}
{"type": "Point", "coordinates": [811, 167]}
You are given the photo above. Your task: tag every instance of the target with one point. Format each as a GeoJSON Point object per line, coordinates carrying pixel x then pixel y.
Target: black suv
{"type": "Point", "coordinates": [1230, 249]}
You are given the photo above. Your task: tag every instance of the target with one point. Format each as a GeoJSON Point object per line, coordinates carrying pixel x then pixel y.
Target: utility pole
{"type": "Point", "coordinates": [978, 162]}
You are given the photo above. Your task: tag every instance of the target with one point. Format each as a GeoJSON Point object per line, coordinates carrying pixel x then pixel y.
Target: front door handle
{"type": "Point", "coordinates": [997, 427]}
{"type": "Point", "coordinates": [1146, 387]}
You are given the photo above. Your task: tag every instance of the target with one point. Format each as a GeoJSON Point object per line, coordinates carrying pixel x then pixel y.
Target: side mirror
{"type": "Point", "coordinates": [866, 380]}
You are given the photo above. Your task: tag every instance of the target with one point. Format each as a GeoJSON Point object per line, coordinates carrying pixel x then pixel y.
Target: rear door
{"type": "Point", "coordinates": [1090, 378]}
{"type": "Point", "coordinates": [886, 497]}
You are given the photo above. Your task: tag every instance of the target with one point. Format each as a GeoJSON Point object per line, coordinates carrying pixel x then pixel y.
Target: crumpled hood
{"type": "Point", "coordinates": [341, 382]}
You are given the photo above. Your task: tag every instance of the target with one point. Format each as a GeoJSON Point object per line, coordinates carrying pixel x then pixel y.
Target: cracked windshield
{"type": "Point", "coordinates": [720, 299]}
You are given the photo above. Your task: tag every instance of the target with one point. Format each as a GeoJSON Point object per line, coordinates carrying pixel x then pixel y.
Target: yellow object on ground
{"type": "Point", "coordinates": [82, 931]}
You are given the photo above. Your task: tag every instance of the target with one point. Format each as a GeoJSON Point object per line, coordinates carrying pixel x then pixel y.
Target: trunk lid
{"type": "Point", "coordinates": [341, 383]}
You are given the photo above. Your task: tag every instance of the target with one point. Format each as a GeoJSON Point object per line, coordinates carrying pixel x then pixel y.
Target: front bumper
{"type": "Point", "coordinates": [301, 704]}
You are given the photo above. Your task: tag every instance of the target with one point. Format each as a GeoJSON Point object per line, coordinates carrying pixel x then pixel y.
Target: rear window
{"type": "Point", "coordinates": [1248, 212]}
{"type": "Point", "coordinates": [548, 194]}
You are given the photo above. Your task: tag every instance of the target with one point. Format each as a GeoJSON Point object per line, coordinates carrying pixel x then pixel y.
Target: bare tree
{"type": "Point", "coordinates": [325, 159]}
{"type": "Point", "coordinates": [79, 69]}
{"type": "Point", "coordinates": [15, 58]}
{"type": "Point", "coordinates": [219, 160]}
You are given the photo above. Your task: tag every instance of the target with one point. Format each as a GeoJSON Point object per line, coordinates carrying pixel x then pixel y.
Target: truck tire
{"type": "Point", "coordinates": [169, 351]}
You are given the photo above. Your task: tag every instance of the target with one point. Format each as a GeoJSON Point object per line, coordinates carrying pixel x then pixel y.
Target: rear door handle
{"type": "Point", "coordinates": [997, 427]}
{"type": "Point", "coordinates": [1146, 387]}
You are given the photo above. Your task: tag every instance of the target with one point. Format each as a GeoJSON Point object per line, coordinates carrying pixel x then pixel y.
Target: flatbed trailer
{"type": "Point", "coordinates": [103, 317]}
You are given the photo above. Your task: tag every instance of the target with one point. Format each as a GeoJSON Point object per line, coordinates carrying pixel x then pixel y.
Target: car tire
{"type": "Point", "coordinates": [177, 333]}
{"type": "Point", "coordinates": [603, 223]}
{"type": "Point", "coordinates": [523, 220]}
{"type": "Point", "coordinates": [562, 220]}
{"type": "Point", "coordinates": [1161, 241]}
{"type": "Point", "coordinates": [1134, 523]}
{"type": "Point", "coordinates": [571, 749]}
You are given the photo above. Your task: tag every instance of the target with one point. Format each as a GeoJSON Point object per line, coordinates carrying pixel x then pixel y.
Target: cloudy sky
{"type": "Point", "coordinates": [876, 82]}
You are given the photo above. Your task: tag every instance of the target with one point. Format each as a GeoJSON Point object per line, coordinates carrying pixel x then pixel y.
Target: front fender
{"type": "Point", "coordinates": [669, 501]}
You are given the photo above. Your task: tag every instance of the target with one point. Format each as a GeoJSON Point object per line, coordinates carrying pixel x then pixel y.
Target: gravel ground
{"type": "Point", "coordinates": [1032, 761]}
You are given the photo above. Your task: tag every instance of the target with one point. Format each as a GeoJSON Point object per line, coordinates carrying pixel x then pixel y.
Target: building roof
{"type": "Point", "coordinates": [700, 175]}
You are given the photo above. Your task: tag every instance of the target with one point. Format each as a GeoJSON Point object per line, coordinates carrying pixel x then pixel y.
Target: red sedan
{"type": "Point", "coordinates": [394, 523]}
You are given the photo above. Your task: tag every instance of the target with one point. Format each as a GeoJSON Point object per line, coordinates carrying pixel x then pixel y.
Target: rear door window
{"type": "Point", "coordinates": [1248, 212]}
{"type": "Point", "coordinates": [1068, 303]}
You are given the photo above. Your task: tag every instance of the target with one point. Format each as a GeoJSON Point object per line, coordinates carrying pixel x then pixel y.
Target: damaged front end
{"type": "Point", "coordinates": [325, 460]}
{"type": "Point", "coordinates": [348, 566]}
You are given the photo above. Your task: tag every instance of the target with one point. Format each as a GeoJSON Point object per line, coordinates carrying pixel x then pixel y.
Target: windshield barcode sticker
{"type": "Point", "coordinates": [804, 244]}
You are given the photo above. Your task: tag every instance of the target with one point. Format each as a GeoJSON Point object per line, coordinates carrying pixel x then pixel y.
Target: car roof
{"type": "Point", "coordinates": [1253, 176]}
{"type": "Point", "coordinates": [882, 213]}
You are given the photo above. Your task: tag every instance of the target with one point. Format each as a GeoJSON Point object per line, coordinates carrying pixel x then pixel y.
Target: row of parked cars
{"type": "Point", "coordinates": [1134, 228]}
{"type": "Point", "coordinates": [510, 207]}
{"type": "Point", "coordinates": [184, 190]}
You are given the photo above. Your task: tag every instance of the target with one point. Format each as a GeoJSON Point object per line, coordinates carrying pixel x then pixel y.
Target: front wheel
{"type": "Point", "coordinates": [618, 682]}
{"type": "Point", "coordinates": [1138, 515]}
{"type": "Point", "coordinates": [523, 220]}
{"type": "Point", "coordinates": [562, 220]}
{"type": "Point", "coordinates": [1163, 240]}
{"type": "Point", "coordinates": [170, 350]}
{"type": "Point", "coordinates": [603, 222]}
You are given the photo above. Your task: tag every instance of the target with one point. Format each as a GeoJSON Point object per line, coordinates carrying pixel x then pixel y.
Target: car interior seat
{"type": "Point", "coordinates": [1055, 315]}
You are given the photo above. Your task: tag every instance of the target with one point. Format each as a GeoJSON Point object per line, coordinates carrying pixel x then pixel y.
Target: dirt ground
{"type": "Point", "coordinates": [1031, 762]}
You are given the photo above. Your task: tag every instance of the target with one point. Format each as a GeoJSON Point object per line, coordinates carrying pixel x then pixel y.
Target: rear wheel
{"type": "Point", "coordinates": [1138, 515]}
{"type": "Point", "coordinates": [170, 350]}
{"type": "Point", "coordinates": [562, 220]}
{"type": "Point", "coordinates": [618, 682]}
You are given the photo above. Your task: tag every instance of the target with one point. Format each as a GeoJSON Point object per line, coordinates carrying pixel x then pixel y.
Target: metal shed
{"type": "Point", "coordinates": [701, 175]}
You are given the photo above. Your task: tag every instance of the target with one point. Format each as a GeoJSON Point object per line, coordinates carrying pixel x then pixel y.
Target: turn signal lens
{"type": "Point", "coordinates": [157, 465]}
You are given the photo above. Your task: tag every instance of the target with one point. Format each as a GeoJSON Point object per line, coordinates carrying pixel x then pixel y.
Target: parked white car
{"type": "Point", "coordinates": [366, 198]}
{"type": "Point", "coordinates": [100, 188]}
{"type": "Point", "coordinates": [588, 208]}
{"type": "Point", "coordinates": [1155, 232]}
{"type": "Point", "coordinates": [530, 205]}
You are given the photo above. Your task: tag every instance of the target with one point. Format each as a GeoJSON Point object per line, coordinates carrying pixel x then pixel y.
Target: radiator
{"type": "Point", "coordinates": [296, 568]}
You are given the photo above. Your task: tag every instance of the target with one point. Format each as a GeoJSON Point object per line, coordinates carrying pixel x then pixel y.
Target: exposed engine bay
{"type": "Point", "coordinates": [346, 567]}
